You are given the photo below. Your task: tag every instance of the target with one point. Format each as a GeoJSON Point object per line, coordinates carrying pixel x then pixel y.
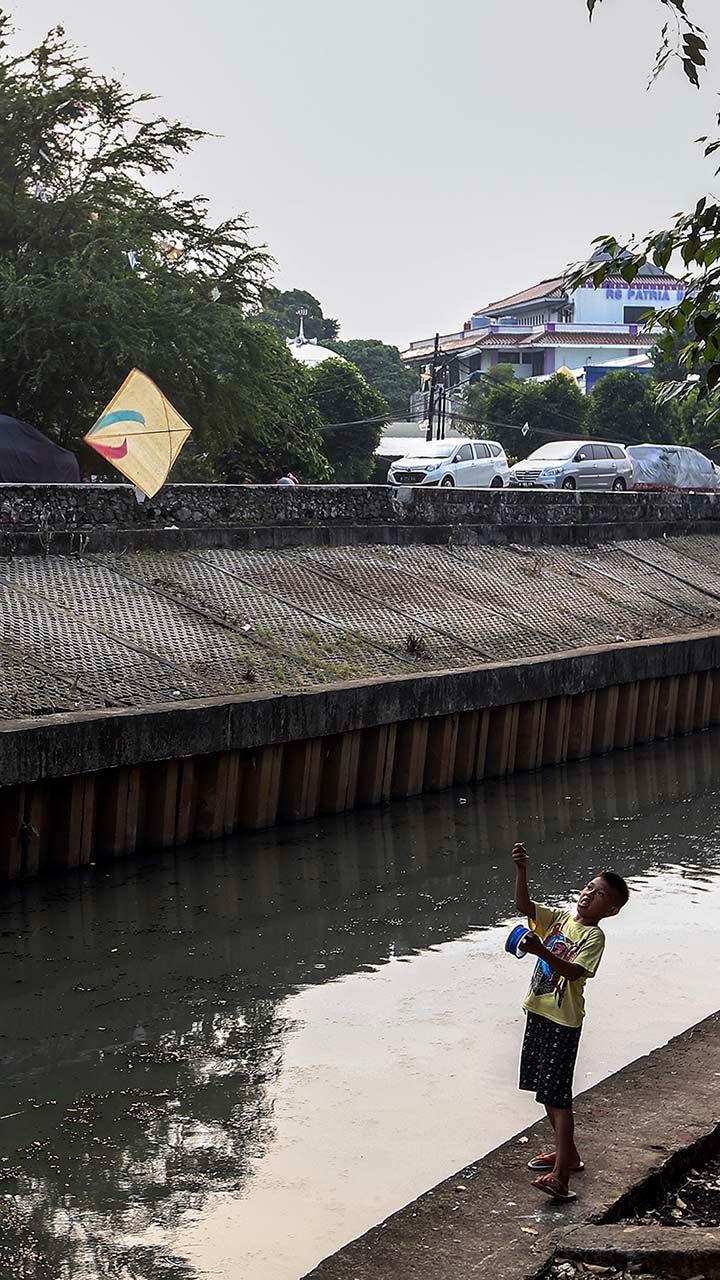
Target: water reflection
{"type": "Point", "coordinates": [146, 1008]}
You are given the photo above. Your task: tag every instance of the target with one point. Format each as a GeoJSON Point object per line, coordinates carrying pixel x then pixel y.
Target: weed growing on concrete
{"type": "Point", "coordinates": [417, 645]}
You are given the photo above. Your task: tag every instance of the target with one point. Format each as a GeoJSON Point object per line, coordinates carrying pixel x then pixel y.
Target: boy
{"type": "Point", "coordinates": [569, 948]}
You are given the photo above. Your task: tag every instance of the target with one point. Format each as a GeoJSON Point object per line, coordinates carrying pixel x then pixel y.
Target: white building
{"type": "Point", "coordinates": [550, 326]}
{"type": "Point", "coordinates": [307, 350]}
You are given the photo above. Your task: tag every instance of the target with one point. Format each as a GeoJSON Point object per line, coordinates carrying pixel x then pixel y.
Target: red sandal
{"type": "Point", "coordinates": [552, 1187]}
{"type": "Point", "coordinates": [548, 1162]}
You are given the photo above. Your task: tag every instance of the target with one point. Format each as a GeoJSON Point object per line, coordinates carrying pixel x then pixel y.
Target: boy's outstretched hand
{"type": "Point", "coordinates": [519, 855]}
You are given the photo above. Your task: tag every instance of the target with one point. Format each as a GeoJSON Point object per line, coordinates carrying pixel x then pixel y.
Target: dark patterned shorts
{"type": "Point", "coordinates": [547, 1062]}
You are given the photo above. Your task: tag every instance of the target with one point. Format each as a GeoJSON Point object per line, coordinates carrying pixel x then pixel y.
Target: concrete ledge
{"type": "Point", "coordinates": [651, 1120]}
{"type": "Point", "coordinates": [86, 742]}
{"type": "Point", "coordinates": [27, 542]}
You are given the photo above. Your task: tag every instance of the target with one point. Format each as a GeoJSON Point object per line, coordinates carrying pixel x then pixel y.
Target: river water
{"type": "Point", "coordinates": [227, 1062]}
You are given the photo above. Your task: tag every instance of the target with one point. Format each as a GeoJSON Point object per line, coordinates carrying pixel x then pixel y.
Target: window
{"type": "Point", "coordinates": [584, 454]}
{"type": "Point", "coordinates": [481, 451]}
{"type": "Point", "coordinates": [616, 451]}
{"type": "Point", "coordinates": [509, 357]}
{"type": "Point", "coordinates": [495, 450]}
{"type": "Point", "coordinates": [635, 315]}
{"type": "Point", "coordinates": [600, 451]}
{"type": "Point", "coordinates": [464, 454]}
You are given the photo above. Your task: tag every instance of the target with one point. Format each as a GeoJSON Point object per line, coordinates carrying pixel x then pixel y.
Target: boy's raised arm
{"type": "Point", "coordinates": [523, 901]}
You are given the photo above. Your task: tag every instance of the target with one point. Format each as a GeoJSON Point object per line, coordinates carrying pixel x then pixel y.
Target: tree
{"type": "Point", "coordinates": [280, 310]}
{"type": "Point", "coordinates": [342, 395]}
{"type": "Point", "coordinates": [381, 366]}
{"type": "Point", "coordinates": [680, 37]}
{"type": "Point", "coordinates": [624, 406]}
{"type": "Point", "coordinates": [699, 428]}
{"type": "Point", "coordinates": [500, 375]}
{"type": "Point", "coordinates": [99, 273]}
{"type": "Point", "coordinates": [272, 420]}
{"type": "Point", "coordinates": [693, 238]}
{"type": "Point", "coordinates": [504, 405]}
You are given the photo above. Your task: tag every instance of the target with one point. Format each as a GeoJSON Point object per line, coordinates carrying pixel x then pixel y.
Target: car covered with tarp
{"type": "Point", "coordinates": [28, 457]}
{"type": "Point", "coordinates": [671, 467]}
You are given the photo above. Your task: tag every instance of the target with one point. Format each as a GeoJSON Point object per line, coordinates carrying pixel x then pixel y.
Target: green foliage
{"type": "Point", "coordinates": [280, 310]}
{"type": "Point", "coordinates": [690, 339]}
{"type": "Point", "coordinates": [698, 426]}
{"type": "Point", "coordinates": [552, 409]}
{"type": "Point", "coordinates": [500, 375]}
{"type": "Point", "coordinates": [624, 406]}
{"type": "Point", "coordinates": [667, 363]}
{"type": "Point", "coordinates": [690, 331]}
{"type": "Point", "coordinates": [680, 38]}
{"type": "Point", "coordinates": [341, 394]}
{"type": "Point", "coordinates": [271, 420]}
{"type": "Point", "coordinates": [381, 366]}
{"type": "Point", "coordinates": [77, 312]}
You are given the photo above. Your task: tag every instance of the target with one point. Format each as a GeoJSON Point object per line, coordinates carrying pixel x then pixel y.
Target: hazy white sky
{"type": "Point", "coordinates": [405, 161]}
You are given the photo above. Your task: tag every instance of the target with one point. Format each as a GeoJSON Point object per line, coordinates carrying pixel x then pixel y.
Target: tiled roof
{"type": "Point", "coordinates": [552, 288]}
{"type": "Point", "coordinates": [480, 339]}
{"type": "Point", "coordinates": [468, 342]}
{"type": "Point", "coordinates": [643, 282]}
{"type": "Point", "coordinates": [569, 339]}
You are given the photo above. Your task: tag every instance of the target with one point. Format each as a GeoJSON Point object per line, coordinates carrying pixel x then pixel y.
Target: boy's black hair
{"type": "Point", "coordinates": [618, 885]}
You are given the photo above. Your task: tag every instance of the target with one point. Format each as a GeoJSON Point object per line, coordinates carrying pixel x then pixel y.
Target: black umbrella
{"type": "Point", "coordinates": [28, 457]}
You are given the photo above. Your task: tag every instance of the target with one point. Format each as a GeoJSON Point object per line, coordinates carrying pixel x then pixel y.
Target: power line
{"type": "Point", "coordinates": [552, 434]}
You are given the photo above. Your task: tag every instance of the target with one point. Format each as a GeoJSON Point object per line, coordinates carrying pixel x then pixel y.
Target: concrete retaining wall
{"type": "Point", "coordinates": [75, 788]}
{"type": "Point", "coordinates": [109, 517]}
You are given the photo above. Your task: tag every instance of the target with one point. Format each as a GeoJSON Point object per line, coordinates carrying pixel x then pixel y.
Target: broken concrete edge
{"type": "Point", "coordinates": [672, 1251]}
{"type": "Point", "coordinates": [73, 743]}
{"type": "Point", "coordinates": [646, 1123]}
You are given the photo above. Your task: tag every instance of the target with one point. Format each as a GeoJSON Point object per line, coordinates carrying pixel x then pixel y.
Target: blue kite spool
{"type": "Point", "coordinates": [515, 940]}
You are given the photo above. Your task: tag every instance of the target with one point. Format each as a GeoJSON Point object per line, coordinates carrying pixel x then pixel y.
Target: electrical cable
{"type": "Point", "coordinates": [551, 434]}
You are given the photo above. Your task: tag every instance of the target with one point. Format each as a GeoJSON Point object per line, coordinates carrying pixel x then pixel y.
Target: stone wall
{"type": "Point", "coordinates": [98, 517]}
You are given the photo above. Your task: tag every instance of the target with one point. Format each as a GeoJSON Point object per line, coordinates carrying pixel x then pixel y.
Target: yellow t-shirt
{"type": "Point", "coordinates": [550, 995]}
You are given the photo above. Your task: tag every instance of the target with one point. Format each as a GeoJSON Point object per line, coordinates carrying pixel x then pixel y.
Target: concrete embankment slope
{"type": "Point", "coordinates": [192, 688]}
{"type": "Point", "coordinates": [652, 1120]}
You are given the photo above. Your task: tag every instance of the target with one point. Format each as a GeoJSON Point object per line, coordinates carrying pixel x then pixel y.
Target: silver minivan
{"type": "Point", "coordinates": [574, 464]}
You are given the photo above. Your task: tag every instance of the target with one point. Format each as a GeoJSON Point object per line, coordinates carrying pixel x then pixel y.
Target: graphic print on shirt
{"type": "Point", "coordinates": [544, 981]}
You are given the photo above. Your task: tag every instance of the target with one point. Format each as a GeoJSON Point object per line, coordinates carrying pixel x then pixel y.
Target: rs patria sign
{"type": "Point", "coordinates": [645, 295]}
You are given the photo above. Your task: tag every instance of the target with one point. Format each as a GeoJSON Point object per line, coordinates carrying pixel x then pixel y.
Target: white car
{"type": "Point", "coordinates": [461, 464]}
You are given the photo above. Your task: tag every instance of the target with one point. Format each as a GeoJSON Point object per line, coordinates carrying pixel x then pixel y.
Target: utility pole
{"type": "Point", "coordinates": [444, 401]}
{"type": "Point", "coordinates": [433, 376]}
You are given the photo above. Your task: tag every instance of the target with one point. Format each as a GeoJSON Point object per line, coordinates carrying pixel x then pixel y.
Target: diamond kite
{"type": "Point", "coordinates": [140, 433]}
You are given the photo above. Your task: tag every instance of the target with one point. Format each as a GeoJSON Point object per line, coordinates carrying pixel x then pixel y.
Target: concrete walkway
{"type": "Point", "coordinates": [657, 1116]}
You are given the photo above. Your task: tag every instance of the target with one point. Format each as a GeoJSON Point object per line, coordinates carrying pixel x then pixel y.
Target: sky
{"type": "Point", "coordinates": [407, 162]}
